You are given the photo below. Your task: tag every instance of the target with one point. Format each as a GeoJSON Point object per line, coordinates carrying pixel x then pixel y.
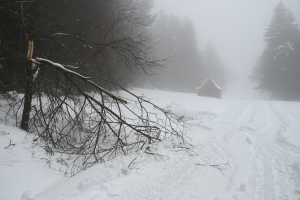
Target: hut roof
{"type": "Point", "coordinates": [207, 80]}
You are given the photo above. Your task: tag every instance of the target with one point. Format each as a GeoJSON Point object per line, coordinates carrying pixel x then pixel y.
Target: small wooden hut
{"type": "Point", "coordinates": [209, 89]}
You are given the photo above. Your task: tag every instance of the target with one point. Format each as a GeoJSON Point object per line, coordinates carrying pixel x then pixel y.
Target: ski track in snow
{"type": "Point", "coordinates": [246, 139]}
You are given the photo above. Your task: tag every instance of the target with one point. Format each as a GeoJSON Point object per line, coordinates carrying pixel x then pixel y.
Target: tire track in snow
{"type": "Point", "coordinates": [263, 178]}
{"type": "Point", "coordinates": [268, 174]}
{"type": "Point", "coordinates": [219, 145]}
{"type": "Point", "coordinates": [257, 119]}
{"type": "Point", "coordinates": [247, 114]}
{"type": "Point", "coordinates": [184, 175]}
{"type": "Point", "coordinates": [287, 156]}
{"type": "Point", "coordinates": [236, 113]}
{"type": "Point", "coordinates": [250, 121]}
{"type": "Point", "coordinates": [271, 155]}
{"type": "Point", "coordinates": [262, 156]}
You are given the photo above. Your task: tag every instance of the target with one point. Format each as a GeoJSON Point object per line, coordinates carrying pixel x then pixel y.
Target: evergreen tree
{"type": "Point", "coordinates": [278, 68]}
{"type": "Point", "coordinates": [176, 40]}
{"type": "Point", "coordinates": [212, 66]}
{"type": "Point", "coordinates": [188, 61]}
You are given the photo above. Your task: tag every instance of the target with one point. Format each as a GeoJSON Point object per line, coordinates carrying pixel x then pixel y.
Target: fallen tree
{"type": "Point", "coordinates": [91, 127]}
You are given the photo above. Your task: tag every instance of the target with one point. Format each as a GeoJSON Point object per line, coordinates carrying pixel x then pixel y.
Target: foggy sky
{"type": "Point", "coordinates": [236, 28]}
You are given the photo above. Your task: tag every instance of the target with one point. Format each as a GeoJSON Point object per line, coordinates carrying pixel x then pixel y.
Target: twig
{"type": "Point", "coordinates": [143, 144]}
{"type": "Point", "coordinates": [216, 166]}
{"type": "Point", "coordinates": [10, 144]}
{"type": "Point", "coordinates": [132, 162]}
{"type": "Point", "coordinates": [156, 154]}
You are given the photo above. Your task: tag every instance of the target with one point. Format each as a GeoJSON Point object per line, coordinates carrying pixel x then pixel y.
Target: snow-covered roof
{"type": "Point", "coordinates": [211, 81]}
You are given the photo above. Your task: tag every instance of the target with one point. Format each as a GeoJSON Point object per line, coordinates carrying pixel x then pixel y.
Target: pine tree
{"type": "Point", "coordinates": [188, 59]}
{"type": "Point", "coordinates": [278, 68]}
{"type": "Point", "coordinates": [212, 66]}
{"type": "Point", "coordinates": [176, 40]}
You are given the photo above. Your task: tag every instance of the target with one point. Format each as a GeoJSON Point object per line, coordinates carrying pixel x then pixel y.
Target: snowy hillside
{"type": "Point", "coordinates": [243, 149]}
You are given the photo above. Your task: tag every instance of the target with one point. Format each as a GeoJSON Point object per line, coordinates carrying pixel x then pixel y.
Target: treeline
{"type": "Point", "coordinates": [186, 67]}
{"type": "Point", "coordinates": [111, 41]}
{"type": "Point", "coordinates": [107, 40]}
{"type": "Point", "coordinates": [278, 68]}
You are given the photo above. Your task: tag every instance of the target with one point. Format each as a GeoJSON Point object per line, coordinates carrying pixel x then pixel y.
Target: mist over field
{"type": "Point", "coordinates": [236, 29]}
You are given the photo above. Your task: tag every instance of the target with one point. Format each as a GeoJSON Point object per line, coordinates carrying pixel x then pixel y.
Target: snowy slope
{"type": "Point", "coordinates": [243, 149]}
{"type": "Point", "coordinates": [22, 168]}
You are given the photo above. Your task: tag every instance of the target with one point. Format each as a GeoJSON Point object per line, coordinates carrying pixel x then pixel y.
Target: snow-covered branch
{"type": "Point", "coordinates": [63, 69]}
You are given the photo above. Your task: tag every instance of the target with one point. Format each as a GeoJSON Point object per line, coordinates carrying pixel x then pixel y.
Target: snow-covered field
{"type": "Point", "coordinates": [243, 149]}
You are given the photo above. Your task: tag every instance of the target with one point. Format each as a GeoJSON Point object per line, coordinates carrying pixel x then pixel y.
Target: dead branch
{"type": "Point", "coordinates": [10, 144]}
{"type": "Point", "coordinates": [219, 166]}
{"type": "Point", "coordinates": [95, 126]}
{"type": "Point", "coordinates": [132, 162]}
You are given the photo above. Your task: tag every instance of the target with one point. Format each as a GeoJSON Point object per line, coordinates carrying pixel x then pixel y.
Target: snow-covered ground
{"type": "Point", "coordinates": [243, 149]}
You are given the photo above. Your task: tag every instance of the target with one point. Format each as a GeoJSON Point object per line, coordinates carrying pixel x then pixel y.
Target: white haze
{"type": "Point", "coordinates": [236, 28]}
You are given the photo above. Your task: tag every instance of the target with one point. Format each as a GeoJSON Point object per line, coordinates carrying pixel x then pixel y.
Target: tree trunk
{"type": "Point", "coordinates": [28, 92]}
